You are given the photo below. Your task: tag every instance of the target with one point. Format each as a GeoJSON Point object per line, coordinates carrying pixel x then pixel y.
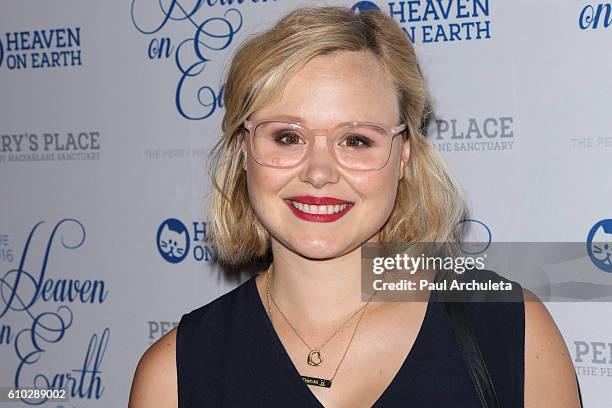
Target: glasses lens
{"type": "Point", "coordinates": [279, 144]}
{"type": "Point", "coordinates": [362, 147]}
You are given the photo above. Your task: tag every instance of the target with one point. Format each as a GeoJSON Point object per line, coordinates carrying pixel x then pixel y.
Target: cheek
{"type": "Point", "coordinates": [258, 177]}
{"type": "Point", "coordinates": [379, 188]}
{"type": "Point", "coordinates": [264, 182]}
{"type": "Point", "coordinates": [378, 192]}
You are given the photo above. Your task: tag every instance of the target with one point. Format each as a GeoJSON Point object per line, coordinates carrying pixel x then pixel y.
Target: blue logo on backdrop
{"type": "Point", "coordinates": [175, 241]}
{"type": "Point", "coordinates": [596, 17]}
{"type": "Point", "coordinates": [475, 237]}
{"type": "Point", "coordinates": [46, 48]}
{"type": "Point", "coordinates": [45, 304]}
{"type": "Point", "coordinates": [364, 5]}
{"type": "Point", "coordinates": [432, 21]}
{"type": "Point", "coordinates": [599, 245]}
{"type": "Point", "coordinates": [209, 36]}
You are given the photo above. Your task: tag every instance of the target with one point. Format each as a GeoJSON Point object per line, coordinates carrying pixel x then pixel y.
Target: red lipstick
{"type": "Point", "coordinates": [312, 200]}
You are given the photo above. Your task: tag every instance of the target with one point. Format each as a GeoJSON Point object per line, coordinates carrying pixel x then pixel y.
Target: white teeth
{"type": "Point", "coordinates": [319, 209]}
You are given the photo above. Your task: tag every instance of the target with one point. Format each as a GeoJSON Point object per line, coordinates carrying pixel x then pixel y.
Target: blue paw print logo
{"type": "Point", "coordinates": [364, 5]}
{"type": "Point", "coordinates": [173, 240]}
{"type": "Point", "coordinates": [599, 245]}
{"type": "Point", "coordinates": [475, 238]}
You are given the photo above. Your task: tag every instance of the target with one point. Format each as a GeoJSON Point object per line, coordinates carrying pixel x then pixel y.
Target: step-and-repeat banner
{"type": "Point", "coordinates": [108, 111]}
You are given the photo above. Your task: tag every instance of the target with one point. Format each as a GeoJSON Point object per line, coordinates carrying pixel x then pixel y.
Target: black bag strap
{"type": "Point", "coordinates": [472, 356]}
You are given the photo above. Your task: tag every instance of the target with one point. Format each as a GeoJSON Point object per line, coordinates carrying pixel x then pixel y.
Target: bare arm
{"type": "Point", "coordinates": [155, 381]}
{"type": "Point", "coordinates": [550, 379]}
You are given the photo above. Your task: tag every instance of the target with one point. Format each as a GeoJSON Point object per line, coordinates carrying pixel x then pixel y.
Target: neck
{"type": "Point", "coordinates": [318, 291]}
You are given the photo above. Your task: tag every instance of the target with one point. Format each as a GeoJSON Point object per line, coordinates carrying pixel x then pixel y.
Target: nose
{"type": "Point", "coordinates": [320, 167]}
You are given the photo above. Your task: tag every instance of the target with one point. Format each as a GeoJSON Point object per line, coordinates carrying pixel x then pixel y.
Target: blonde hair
{"type": "Point", "coordinates": [429, 204]}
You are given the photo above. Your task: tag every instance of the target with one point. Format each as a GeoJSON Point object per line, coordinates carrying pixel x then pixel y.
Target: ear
{"type": "Point", "coordinates": [405, 157]}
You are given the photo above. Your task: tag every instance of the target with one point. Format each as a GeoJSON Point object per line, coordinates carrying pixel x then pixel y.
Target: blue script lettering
{"type": "Point", "coordinates": [69, 290]}
{"type": "Point", "coordinates": [160, 48]}
{"type": "Point", "coordinates": [223, 31]}
{"type": "Point", "coordinates": [20, 291]}
{"type": "Point", "coordinates": [590, 17]}
{"type": "Point", "coordinates": [5, 334]}
{"type": "Point", "coordinates": [30, 343]}
{"type": "Point", "coordinates": [84, 382]}
{"type": "Point", "coordinates": [173, 12]}
{"type": "Point", "coordinates": [24, 289]}
{"type": "Point", "coordinates": [194, 100]}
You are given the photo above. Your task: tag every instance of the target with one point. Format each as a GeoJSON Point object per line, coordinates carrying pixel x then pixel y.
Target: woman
{"type": "Point", "coordinates": [300, 335]}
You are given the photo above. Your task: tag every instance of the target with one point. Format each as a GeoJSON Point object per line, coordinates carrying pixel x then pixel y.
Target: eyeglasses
{"type": "Point", "coordinates": [361, 146]}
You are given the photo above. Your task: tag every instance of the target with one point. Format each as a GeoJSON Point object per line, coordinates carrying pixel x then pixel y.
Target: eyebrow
{"type": "Point", "coordinates": [290, 118]}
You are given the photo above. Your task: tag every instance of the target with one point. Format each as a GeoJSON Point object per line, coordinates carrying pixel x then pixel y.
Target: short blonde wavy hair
{"type": "Point", "coordinates": [429, 204]}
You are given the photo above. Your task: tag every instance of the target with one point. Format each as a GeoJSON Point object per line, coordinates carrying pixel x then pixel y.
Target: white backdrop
{"type": "Point", "coordinates": [107, 112]}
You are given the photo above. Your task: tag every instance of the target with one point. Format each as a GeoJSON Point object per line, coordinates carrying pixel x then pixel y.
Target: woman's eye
{"type": "Point", "coordinates": [288, 138]}
{"type": "Point", "coordinates": [356, 141]}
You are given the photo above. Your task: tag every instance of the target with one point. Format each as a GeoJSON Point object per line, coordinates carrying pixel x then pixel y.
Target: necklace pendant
{"type": "Point", "coordinates": [314, 358]}
{"type": "Point", "coordinates": [319, 382]}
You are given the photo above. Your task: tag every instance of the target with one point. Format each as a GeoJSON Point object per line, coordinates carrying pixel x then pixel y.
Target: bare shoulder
{"type": "Point", "coordinates": [155, 379]}
{"type": "Point", "coordinates": [549, 372]}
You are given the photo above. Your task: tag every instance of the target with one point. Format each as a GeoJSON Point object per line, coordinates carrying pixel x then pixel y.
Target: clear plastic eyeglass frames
{"type": "Point", "coordinates": [361, 146]}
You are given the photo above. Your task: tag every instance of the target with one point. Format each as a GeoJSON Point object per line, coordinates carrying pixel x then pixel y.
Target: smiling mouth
{"type": "Point", "coordinates": [319, 209]}
{"type": "Point", "coordinates": [319, 213]}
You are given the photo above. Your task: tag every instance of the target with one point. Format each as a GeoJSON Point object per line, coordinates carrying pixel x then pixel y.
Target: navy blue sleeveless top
{"type": "Point", "coordinates": [229, 355]}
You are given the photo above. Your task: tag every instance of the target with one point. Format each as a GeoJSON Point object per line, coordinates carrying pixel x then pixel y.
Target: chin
{"type": "Point", "coordinates": [320, 249]}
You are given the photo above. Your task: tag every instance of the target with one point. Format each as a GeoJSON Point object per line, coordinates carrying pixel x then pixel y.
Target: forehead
{"type": "Point", "coordinates": [338, 87]}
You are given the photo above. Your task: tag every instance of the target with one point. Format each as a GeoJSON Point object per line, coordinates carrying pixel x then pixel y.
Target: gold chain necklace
{"type": "Point", "coordinates": [314, 355]}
